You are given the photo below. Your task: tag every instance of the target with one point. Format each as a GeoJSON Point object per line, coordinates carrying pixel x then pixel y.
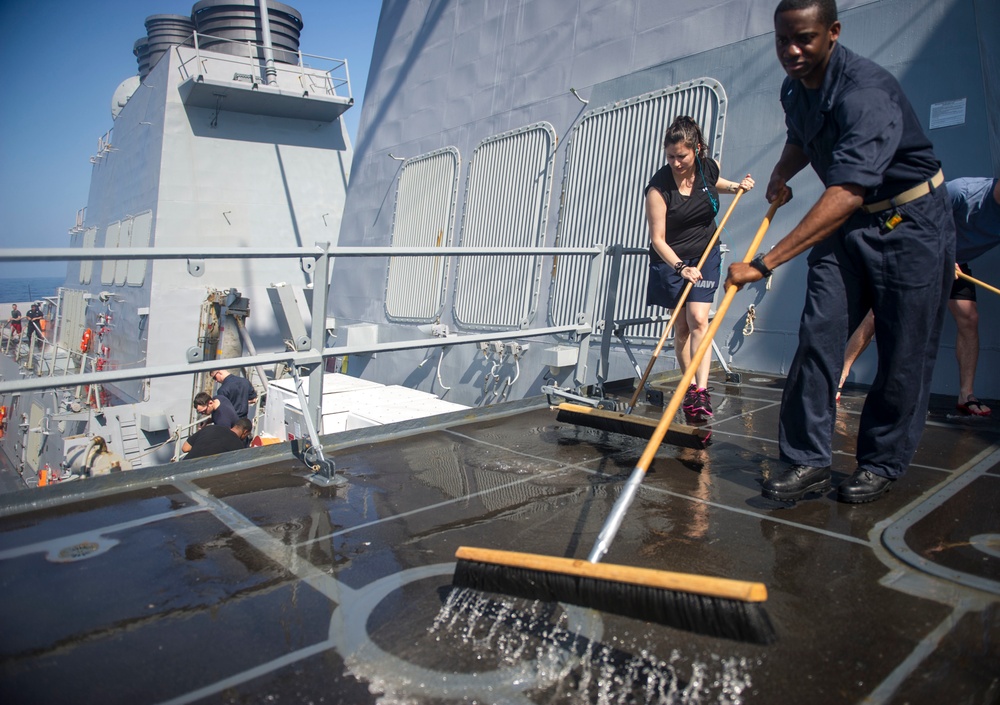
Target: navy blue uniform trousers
{"type": "Point", "coordinates": [905, 276]}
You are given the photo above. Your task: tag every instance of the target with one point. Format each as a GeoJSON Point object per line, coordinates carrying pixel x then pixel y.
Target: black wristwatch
{"type": "Point", "coordinates": [679, 267]}
{"type": "Point", "coordinates": [758, 264]}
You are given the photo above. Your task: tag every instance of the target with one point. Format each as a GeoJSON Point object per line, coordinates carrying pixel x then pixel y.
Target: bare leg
{"type": "Point", "coordinates": [682, 338]}
{"type": "Point", "coordinates": [966, 315]}
{"type": "Point", "coordinates": [692, 324]}
{"type": "Point", "coordinates": [857, 343]}
{"type": "Point", "coordinates": [697, 315]}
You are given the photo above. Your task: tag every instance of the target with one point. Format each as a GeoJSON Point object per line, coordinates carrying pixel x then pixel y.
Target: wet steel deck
{"type": "Point", "coordinates": [257, 586]}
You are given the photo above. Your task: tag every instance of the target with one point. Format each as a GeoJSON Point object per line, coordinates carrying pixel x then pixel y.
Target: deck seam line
{"type": "Point", "coordinates": [436, 505]}
{"type": "Point", "coordinates": [251, 673]}
{"type": "Point", "coordinates": [845, 453]}
{"type": "Point", "coordinates": [69, 539]}
{"type": "Point", "coordinates": [891, 532]}
{"type": "Point", "coordinates": [758, 515]}
{"type": "Point", "coordinates": [924, 648]}
{"type": "Point", "coordinates": [268, 545]}
{"type": "Point", "coordinates": [548, 461]}
{"type": "Point", "coordinates": [643, 487]}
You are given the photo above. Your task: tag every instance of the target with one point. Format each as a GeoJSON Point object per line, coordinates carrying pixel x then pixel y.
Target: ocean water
{"type": "Point", "coordinates": [24, 290]}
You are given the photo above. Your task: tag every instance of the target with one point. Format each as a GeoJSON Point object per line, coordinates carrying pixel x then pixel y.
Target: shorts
{"type": "Point", "coordinates": [962, 290]}
{"type": "Point", "coordinates": [665, 285]}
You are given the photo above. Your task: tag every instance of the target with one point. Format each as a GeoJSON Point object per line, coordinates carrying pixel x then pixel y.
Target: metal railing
{"type": "Point", "coordinates": [316, 260]}
{"type": "Point", "coordinates": [249, 62]}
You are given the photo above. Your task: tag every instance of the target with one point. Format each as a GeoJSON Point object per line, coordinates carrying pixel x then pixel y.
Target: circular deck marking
{"type": "Point", "coordinates": [348, 631]}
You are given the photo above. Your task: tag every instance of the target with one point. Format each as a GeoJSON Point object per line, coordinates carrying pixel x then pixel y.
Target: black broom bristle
{"type": "Point", "coordinates": [701, 614]}
{"type": "Point", "coordinates": [639, 427]}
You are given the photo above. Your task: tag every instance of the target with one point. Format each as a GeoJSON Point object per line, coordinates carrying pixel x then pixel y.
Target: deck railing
{"type": "Point", "coordinates": [315, 74]}
{"type": "Point", "coordinates": [311, 358]}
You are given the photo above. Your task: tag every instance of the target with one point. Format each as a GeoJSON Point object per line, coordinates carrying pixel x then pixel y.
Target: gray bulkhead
{"type": "Point", "coordinates": [447, 76]}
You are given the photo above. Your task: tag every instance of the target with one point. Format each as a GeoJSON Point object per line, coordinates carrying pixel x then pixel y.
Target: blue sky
{"type": "Point", "coordinates": [63, 60]}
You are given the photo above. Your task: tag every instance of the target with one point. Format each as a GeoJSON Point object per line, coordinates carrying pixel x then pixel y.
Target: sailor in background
{"type": "Point", "coordinates": [214, 439]}
{"type": "Point", "coordinates": [975, 204]}
{"type": "Point", "coordinates": [35, 317]}
{"type": "Point", "coordinates": [237, 390]}
{"type": "Point", "coordinates": [15, 321]}
{"type": "Point", "coordinates": [882, 238]}
{"type": "Point", "coordinates": [221, 409]}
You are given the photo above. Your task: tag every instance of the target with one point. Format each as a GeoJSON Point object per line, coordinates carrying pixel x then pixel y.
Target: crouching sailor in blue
{"type": "Point", "coordinates": [882, 238]}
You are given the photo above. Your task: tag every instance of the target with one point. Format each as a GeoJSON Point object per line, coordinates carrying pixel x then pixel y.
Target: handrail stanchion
{"type": "Point", "coordinates": [325, 471]}
{"type": "Point", "coordinates": [55, 333]}
{"type": "Point", "coordinates": [587, 316]}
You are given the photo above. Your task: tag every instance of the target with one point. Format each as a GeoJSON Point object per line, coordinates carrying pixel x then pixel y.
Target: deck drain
{"type": "Point", "coordinates": [81, 550]}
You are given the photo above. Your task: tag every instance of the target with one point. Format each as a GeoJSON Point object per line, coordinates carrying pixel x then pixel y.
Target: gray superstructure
{"type": "Point", "coordinates": [212, 148]}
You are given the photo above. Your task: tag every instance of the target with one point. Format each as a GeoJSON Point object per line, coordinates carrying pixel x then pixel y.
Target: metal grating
{"type": "Point", "coordinates": [424, 217]}
{"type": "Point", "coordinates": [506, 205]}
{"type": "Point", "coordinates": [612, 154]}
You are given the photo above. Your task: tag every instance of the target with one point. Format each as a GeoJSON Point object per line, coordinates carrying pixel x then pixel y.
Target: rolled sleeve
{"type": "Point", "coordinates": [871, 125]}
{"type": "Point", "coordinates": [792, 135]}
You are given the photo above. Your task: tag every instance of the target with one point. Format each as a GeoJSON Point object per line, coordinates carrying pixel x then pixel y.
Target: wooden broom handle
{"type": "Point", "coordinates": [706, 343]}
{"type": "Point", "coordinates": [682, 300]}
{"type": "Point", "coordinates": [986, 286]}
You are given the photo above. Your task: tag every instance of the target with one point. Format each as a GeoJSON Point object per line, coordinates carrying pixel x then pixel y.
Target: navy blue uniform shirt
{"type": "Point", "coordinates": [859, 128]}
{"type": "Point", "coordinates": [239, 391]}
{"type": "Point", "coordinates": [977, 217]}
{"type": "Point", "coordinates": [225, 415]}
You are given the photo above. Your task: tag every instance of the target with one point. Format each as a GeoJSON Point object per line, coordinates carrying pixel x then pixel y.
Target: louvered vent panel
{"type": "Point", "coordinates": [424, 215]}
{"type": "Point", "coordinates": [87, 267]}
{"type": "Point", "coordinates": [612, 154]}
{"type": "Point", "coordinates": [506, 205]}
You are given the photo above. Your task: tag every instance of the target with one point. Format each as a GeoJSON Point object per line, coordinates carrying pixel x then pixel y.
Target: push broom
{"type": "Point", "coordinates": [641, 426]}
{"type": "Point", "coordinates": [680, 302]}
{"type": "Point", "coordinates": [983, 284]}
{"type": "Point", "coordinates": [720, 607]}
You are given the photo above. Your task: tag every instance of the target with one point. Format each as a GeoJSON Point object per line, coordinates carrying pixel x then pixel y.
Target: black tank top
{"type": "Point", "coordinates": [690, 219]}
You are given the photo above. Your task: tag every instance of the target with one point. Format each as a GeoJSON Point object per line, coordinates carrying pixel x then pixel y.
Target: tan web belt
{"type": "Point", "coordinates": [912, 194]}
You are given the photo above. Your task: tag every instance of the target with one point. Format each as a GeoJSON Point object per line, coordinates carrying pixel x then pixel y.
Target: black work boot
{"type": "Point", "coordinates": [797, 481]}
{"type": "Point", "coordinates": [863, 486]}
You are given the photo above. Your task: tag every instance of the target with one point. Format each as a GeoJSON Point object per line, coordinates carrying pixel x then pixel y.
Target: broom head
{"type": "Point", "coordinates": [631, 425]}
{"type": "Point", "coordinates": [717, 607]}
